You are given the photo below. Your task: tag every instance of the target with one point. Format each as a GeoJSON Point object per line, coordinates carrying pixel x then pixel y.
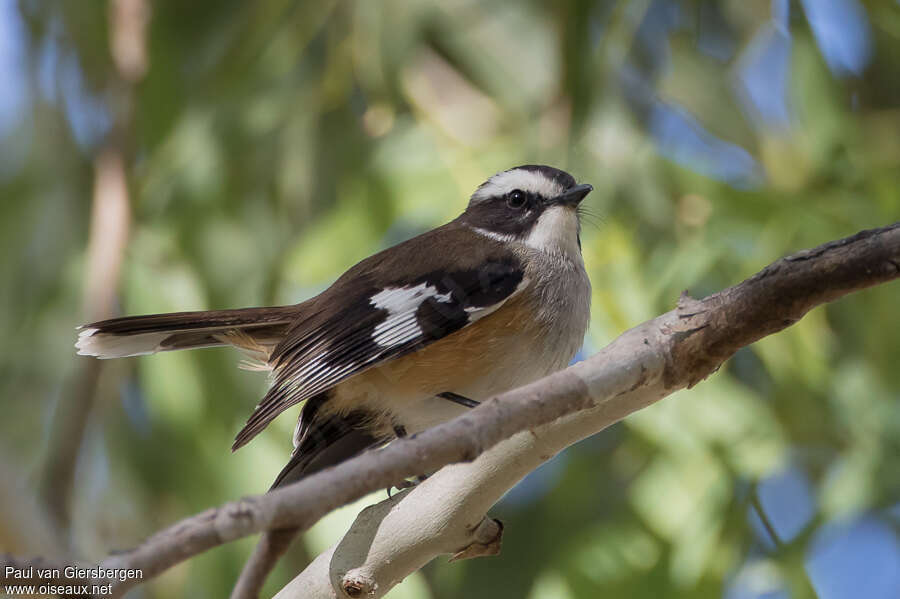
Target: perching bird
{"type": "Point", "coordinates": [410, 336]}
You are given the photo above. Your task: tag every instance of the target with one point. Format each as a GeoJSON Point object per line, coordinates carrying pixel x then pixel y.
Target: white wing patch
{"type": "Point", "coordinates": [402, 303]}
{"type": "Point", "coordinates": [517, 178]}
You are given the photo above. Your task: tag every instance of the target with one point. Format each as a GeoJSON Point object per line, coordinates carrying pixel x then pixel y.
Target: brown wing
{"type": "Point", "coordinates": [371, 314]}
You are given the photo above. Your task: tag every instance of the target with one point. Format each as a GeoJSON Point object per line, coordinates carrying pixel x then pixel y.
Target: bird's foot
{"type": "Point", "coordinates": [407, 483]}
{"type": "Point", "coordinates": [458, 399]}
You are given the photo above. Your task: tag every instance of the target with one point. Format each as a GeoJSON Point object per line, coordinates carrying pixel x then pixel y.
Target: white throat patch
{"type": "Point", "coordinates": [517, 178]}
{"type": "Point", "coordinates": [556, 231]}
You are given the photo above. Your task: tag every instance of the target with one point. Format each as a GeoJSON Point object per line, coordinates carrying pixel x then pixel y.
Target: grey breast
{"type": "Point", "coordinates": [563, 304]}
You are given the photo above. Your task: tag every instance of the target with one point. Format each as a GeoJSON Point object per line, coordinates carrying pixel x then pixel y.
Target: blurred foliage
{"type": "Point", "coordinates": [277, 142]}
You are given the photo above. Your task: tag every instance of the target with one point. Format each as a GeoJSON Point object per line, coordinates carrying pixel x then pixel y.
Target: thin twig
{"type": "Point", "coordinates": [764, 518]}
{"type": "Point", "coordinates": [108, 239]}
{"type": "Point", "coordinates": [271, 546]}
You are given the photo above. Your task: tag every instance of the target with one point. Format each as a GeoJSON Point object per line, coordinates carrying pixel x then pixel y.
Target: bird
{"type": "Point", "coordinates": [411, 336]}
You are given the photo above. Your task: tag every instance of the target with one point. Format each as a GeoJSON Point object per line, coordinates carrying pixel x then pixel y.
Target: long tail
{"type": "Point", "coordinates": [252, 329]}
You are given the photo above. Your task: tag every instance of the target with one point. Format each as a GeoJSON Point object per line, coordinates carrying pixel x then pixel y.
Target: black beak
{"type": "Point", "coordinates": [574, 195]}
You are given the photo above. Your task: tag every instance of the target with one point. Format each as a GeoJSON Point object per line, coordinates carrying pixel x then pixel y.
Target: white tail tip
{"type": "Point", "coordinates": [104, 345]}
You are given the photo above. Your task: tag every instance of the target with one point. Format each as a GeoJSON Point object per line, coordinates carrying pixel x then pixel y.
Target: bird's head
{"type": "Point", "coordinates": [534, 204]}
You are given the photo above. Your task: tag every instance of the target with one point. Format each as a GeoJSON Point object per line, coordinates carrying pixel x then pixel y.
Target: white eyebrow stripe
{"type": "Point", "coordinates": [517, 178]}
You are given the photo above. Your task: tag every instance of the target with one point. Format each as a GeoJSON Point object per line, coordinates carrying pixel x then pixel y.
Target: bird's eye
{"type": "Point", "coordinates": [516, 198]}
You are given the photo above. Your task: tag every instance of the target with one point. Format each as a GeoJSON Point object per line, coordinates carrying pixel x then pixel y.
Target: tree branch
{"type": "Point", "coordinates": [444, 514]}
{"type": "Point", "coordinates": [646, 363]}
